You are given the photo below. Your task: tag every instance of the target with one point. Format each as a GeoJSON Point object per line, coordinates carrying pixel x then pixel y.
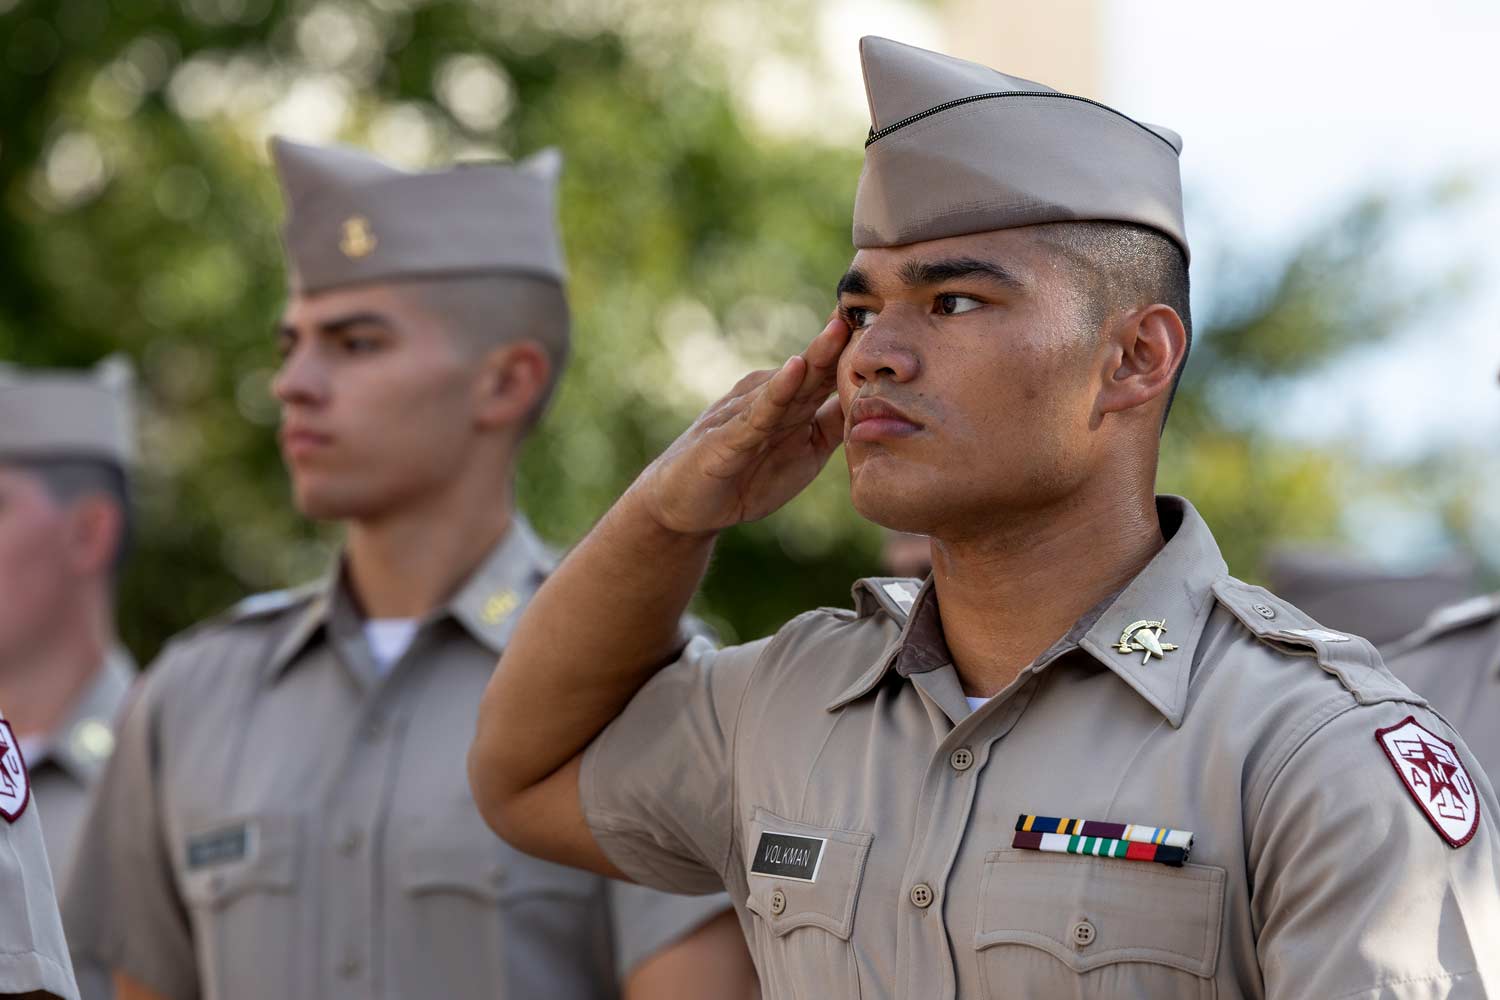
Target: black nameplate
{"type": "Point", "coordinates": [218, 847]}
{"type": "Point", "coordinates": [786, 855]}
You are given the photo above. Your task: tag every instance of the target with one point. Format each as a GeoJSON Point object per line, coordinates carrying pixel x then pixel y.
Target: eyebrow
{"type": "Point", "coordinates": [919, 273]}
{"type": "Point", "coordinates": [339, 323]}
{"type": "Point", "coordinates": [854, 282]}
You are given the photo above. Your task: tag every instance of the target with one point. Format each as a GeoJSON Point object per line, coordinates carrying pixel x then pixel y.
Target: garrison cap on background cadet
{"type": "Point", "coordinates": [886, 839]}
{"type": "Point", "coordinates": [1347, 594]}
{"type": "Point", "coordinates": [55, 413]}
{"type": "Point", "coordinates": [288, 813]}
{"type": "Point", "coordinates": [351, 219]}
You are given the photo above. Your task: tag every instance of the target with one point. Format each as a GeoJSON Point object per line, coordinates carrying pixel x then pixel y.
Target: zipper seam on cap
{"type": "Point", "coordinates": [878, 134]}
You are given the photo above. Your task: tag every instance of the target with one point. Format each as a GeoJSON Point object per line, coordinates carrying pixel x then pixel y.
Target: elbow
{"type": "Point", "coordinates": [490, 796]}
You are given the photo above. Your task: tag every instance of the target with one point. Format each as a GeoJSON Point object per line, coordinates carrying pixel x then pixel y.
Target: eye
{"type": "Point", "coordinates": [285, 343]}
{"type": "Point", "coordinates": [355, 344]}
{"type": "Point", "coordinates": [858, 317]}
{"type": "Point", "coordinates": [955, 305]}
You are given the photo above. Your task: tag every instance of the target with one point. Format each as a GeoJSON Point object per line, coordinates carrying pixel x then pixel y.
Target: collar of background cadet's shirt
{"type": "Point", "coordinates": [486, 605]}
{"type": "Point", "coordinates": [82, 744]}
{"type": "Point", "coordinates": [1175, 587]}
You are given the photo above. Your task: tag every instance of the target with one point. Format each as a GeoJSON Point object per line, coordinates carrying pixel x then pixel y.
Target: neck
{"type": "Point", "coordinates": [405, 563]}
{"type": "Point", "coordinates": [40, 686]}
{"type": "Point", "coordinates": [1005, 597]}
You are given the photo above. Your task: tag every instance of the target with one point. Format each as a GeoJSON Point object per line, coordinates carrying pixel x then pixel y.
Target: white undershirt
{"type": "Point", "coordinates": [388, 638]}
{"type": "Point", "coordinates": [975, 704]}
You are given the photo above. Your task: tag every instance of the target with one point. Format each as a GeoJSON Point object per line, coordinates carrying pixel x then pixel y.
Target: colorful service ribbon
{"type": "Point", "coordinates": [1130, 841]}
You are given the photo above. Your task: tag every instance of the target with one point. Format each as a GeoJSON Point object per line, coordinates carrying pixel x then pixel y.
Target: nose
{"type": "Point", "coordinates": [881, 351]}
{"type": "Point", "coordinates": [301, 379]}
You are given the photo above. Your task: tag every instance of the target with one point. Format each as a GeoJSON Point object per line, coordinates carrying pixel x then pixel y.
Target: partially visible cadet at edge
{"type": "Point", "coordinates": [33, 957]}
{"type": "Point", "coordinates": [1081, 760]}
{"type": "Point", "coordinates": [66, 445]}
{"type": "Point", "coordinates": [1454, 659]}
{"type": "Point", "coordinates": [287, 813]}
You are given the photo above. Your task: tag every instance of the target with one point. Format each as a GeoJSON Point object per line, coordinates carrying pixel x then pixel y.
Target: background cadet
{"type": "Point", "coordinates": [890, 793]}
{"type": "Point", "coordinates": [287, 815]}
{"type": "Point", "coordinates": [66, 444]}
{"type": "Point", "coordinates": [33, 958]}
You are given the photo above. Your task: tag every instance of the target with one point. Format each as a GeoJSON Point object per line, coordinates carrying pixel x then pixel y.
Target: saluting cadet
{"type": "Point", "coordinates": [287, 814]}
{"type": "Point", "coordinates": [66, 445]}
{"type": "Point", "coordinates": [1081, 760]}
{"type": "Point", "coordinates": [33, 957]}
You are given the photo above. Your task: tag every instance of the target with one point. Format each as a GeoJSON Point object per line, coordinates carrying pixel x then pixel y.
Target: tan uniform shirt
{"type": "Point", "coordinates": [63, 773]}
{"type": "Point", "coordinates": [279, 820]}
{"type": "Point", "coordinates": [1454, 662]}
{"type": "Point", "coordinates": [74, 756]}
{"type": "Point", "coordinates": [33, 956]}
{"type": "Point", "coordinates": [862, 816]}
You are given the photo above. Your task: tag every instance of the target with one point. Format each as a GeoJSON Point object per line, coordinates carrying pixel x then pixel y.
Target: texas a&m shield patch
{"type": "Point", "coordinates": [1430, 769]}
{"type": "Point", "coordinates": [15, 786]}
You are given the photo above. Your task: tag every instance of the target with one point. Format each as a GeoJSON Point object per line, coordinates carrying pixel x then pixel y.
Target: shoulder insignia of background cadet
{"type": "Point", "coordinates": [1474, 611]}
{"type": "Point", "coordinates": [1353, 660]}
{"type": "Point", "coordinates": [15, 785]}
{"type": "Point", "coordinates": [894, 595]}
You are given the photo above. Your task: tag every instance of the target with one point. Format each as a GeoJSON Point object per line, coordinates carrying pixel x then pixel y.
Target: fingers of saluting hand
{"type": "Point", "coordinates": [796, 391]}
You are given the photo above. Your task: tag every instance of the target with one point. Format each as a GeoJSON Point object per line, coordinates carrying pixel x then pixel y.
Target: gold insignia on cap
{"type": "Point", "coordinates": [92, 740]}
{"type": "Point", "coordinates": [358, 239]}
{"type": "Point", "coordinates": [1145, 637]}
{"type": "Point", "coordinates": [499, 606]}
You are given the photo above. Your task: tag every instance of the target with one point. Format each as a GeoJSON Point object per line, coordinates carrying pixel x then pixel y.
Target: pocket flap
{"type": "Point", "coordinates": [813, 889]}
{"type": "Point", "coordinates": [1137, 911]}
{"type": "Point", "coordinates": [473, 869]}
{"type": "Point", "coordinates": [225, 859]}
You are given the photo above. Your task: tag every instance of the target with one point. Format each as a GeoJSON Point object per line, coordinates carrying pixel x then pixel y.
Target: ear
{"type": "Point", "coordinates": [513, 381]}
{"type": "Point", "coordinates": [95, 529]}
{"type": "Point", "coordinates": [1149, 346]}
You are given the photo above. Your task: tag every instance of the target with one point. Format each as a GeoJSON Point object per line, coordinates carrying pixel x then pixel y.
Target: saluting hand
{"type": "Point", "coordinates": [755, 449]}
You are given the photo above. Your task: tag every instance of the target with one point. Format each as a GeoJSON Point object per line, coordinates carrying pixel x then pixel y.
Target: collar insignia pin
{"type": "Point", "coordinates": [498, 606]}
{"type": "Point", "coordinates": [1145, 637]}
{"type": "Point", "coordinates": [358, 239]}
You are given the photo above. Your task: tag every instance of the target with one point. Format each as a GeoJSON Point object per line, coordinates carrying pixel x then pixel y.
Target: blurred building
{"type": "Point", "coordinates": [1343, 593]}
{"type": "Point", "coordinates": [1060, 43]}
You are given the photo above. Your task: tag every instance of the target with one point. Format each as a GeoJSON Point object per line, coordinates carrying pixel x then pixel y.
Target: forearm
{"type": "Point", "coordinates": [596, 631]}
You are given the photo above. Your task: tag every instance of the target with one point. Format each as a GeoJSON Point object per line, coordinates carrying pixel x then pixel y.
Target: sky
{"type": "Point", "coordinates": [1290, 112]}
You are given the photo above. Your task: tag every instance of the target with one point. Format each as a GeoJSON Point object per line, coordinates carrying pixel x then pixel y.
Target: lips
{"type": "Point", "coordinates": [873, 419]}
{"type": "Point", "coordinates": [299, 441]}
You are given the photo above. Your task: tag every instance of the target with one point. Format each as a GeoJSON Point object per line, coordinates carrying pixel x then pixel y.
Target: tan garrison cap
{"type": "Point", "coordinates": [56, 413]}
{"type": "Point", "coordinates": [956, 148]}
{"type": "Point", "coordinates": [353, 219]}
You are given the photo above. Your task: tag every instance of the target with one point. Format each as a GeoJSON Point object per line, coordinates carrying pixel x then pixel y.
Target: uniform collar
{"type": "Point", "coordinates": [1176, 587]}
{"type": "Point", "coordinates": [83, 743]}
{"type": "Point", "coordinates": [486, 605]}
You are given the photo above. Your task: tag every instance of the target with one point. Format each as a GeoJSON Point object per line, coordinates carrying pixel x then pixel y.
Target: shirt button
{"type": "Point", "coordinates": [349, 968]}
{"type": "Point", "coordinates": [374, 729]}
{"type": "Point", "coordinates": [778, 903]}
{"type": "Point", "coordinates": [1265, 611]}
{"type": "Point", "coordinates": [1083, 934]}
{"type": "Point", "coordinates": [921, 895]}
{"type": "Point", "coordinates": [350, 842]}
{"type": "Point", "coordinates": [962, 759]}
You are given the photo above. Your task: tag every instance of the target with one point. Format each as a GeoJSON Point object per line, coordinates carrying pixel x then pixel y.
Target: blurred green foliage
{"type": "Point", "coordinates": [140, 216]}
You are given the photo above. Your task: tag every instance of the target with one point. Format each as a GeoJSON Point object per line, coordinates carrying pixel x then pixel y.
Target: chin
{"type": "Point", "coordinates": [900, 502]}
{"type": "Point", "coordinates": [324, 502]}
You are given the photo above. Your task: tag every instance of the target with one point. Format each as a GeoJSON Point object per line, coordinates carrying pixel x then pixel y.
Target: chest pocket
{"type": "Point", "coordinates": [474, 915]}
{"type": "Point", "coordinates": [240, 880]}
{"type": "Point", "coordinates": [1064, 926]}
{"type": "Point", "coordinates": [802, 927]}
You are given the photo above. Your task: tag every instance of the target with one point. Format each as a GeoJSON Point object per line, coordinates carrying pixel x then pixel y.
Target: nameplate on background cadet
{"type": "Point", "coordinates": [788, 855]}
{"type": "Point", "coordinates": [218, 847]}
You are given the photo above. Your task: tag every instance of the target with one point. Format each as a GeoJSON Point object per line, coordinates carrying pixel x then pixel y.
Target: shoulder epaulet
{"type": "Point", "coordinates": [893, 595]}
{"type": "Point", "coordinates": [1450, 618]}
{"type": "Point", "coordinates": [271, 602]}
{"type": "Point", "coordinates": [1350, 658]}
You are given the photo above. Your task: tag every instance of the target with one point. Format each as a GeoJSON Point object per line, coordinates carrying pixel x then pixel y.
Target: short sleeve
{"type": "Point", "coordinates": [645, 921]}
{"type": "Point", "coordinates": [122, 909]}
{"type": "Point", "coordinates": [33, 956]}
{"type": "Point", "coordinates": [657, 784]}
{"type": "Point", "coordinates": [1355, 892]}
